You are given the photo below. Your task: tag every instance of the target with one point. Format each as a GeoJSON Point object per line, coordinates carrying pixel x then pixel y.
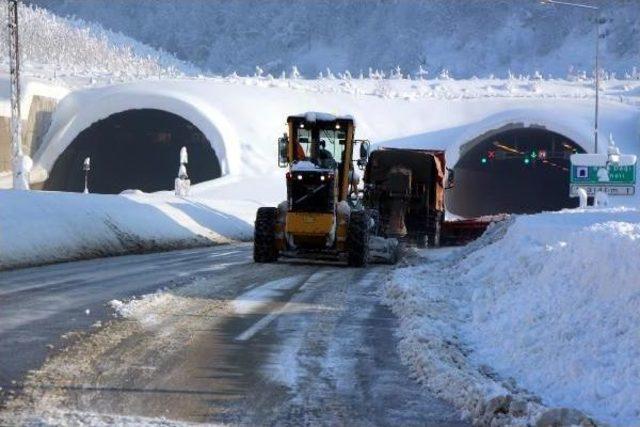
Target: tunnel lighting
{"type": "Point", "coordinates": [322, 178]}
{"type": "Point", "coordinates": [301, 125]}
{"type": "Point", "coordinates": [506, 148]}
{"type": "Point", "coordinates": [299, 177]}
{"type": "Point", "coordinates": [337, 125]}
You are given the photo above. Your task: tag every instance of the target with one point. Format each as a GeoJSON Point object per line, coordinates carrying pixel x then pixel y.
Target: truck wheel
{"type": "Point", "coordinates": [434, 234]}
{"type": "Point", "coordinates": [358, 239]}
{"type": "Point", "coordinates": [264, 235]}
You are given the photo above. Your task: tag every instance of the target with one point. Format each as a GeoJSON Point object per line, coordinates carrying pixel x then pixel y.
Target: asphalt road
{"type": "Point", "coordinates": [227, 341]}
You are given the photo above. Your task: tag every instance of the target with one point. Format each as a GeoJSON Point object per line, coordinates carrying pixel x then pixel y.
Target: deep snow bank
{"type": "Point", "coordinates": [556, 305]}
{"type": "Point", "coordinates": [44, 227]}
{"type": "Point", "coordinates": [546, 304]}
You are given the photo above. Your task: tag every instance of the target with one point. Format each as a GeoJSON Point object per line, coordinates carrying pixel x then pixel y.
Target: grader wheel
{"type": "Point", "coordinates": [358, 239]}
{"type": "Point", "coordinates": [264, 236]}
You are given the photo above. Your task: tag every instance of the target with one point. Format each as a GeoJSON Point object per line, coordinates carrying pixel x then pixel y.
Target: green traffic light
{"type": "Point", "coordinates": [534, 154]}
{"type": "Point", "coordinates": [526, 161]}
{"type": "Point", "coordinates": [484, 160]}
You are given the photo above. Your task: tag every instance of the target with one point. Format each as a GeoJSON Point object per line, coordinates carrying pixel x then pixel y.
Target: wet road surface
{"type": "Point", "coordinates": [228, 341]}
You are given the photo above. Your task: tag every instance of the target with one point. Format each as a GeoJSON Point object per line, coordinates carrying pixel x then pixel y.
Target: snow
{"type": "Point", "coordinates": [602, 159]}
{"type": "Point", "coordinates": [30, 87]}
{"type": "Point", "coordinates": [545, 303]}
{"type": "Point", "coordinates": [81, 418]}
{"type": "Point", "coordinates": [45, 227]}
{"type": "Point", "coordinates": [415, 114]}
{"type": "Point", "coordinates": [304, 165]}
{"type": "Point", "coordinates": [560, 312]}
{"type": "Point", "coordinates": [259, 297]}
{"type": "Point", "coordinates": [437, 38]}
{"type": "Point", "coordinates": [77, 48]}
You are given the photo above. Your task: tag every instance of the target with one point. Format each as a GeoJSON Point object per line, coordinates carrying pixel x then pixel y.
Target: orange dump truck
{"type": "Point", "coordinates": [406, 187]}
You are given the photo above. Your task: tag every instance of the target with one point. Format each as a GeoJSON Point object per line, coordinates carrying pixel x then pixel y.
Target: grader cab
{"type": "Point", "coordinates": [323, 217]}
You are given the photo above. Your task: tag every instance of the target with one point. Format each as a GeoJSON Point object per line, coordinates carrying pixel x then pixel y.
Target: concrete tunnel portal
{"type": "Point", "coordinates": [134, 149]}
{"type": "Point", "coordinates": [513, 169]}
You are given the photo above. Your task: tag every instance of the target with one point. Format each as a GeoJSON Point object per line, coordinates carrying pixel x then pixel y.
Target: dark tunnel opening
{"type": "Point", "coordinates": [521, 170]}
{"type": "Point", "coordinates": [134, 149]}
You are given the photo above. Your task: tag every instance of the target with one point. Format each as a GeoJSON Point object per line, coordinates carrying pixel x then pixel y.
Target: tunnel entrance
{"type": "Point", "coordinates": [134, 149]}
{"type": "Point", "coordinates": [521, 170]}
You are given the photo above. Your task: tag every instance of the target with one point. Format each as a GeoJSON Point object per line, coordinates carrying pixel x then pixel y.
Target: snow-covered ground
{"type": "Point", "coordinates": [45, 227]}
{"type": "Point", "coordinates": [547, 303]}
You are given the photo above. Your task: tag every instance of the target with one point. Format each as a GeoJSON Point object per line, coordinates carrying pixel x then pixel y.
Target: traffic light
{"type": "Point", "coordinates": [483, 160]}
{"type": "Point", "coordinates": [527, 160]}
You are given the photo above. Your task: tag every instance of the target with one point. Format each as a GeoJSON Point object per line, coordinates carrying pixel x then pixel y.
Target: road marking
{"type": "Point", "coordinates": [266, 320]}
{"type": "Point", "coordinates": [261, 324]}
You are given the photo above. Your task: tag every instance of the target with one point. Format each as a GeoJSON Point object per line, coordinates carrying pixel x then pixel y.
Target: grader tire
{"type": "Point", "coordinates": [358, 239]}
{"type": "Point", "coordinates": [264, 236]}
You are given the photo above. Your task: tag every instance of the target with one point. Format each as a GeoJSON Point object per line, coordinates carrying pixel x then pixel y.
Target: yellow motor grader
{"type": "Point", "coordinates": [323, 216]}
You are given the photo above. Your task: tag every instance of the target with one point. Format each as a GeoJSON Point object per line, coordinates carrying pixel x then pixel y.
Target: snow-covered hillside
{"type": "Point", "coordinates": [54, 46]}
{"type": "Point", "coordinates": [469, 37]}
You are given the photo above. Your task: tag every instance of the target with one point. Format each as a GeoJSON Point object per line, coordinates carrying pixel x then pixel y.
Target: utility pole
{"type": "Point", "coordinates": [596, 11]}
{"type": "Point", "coordinates": [14, 71]}
{"type": "Point", "coordinates": [20, 164]}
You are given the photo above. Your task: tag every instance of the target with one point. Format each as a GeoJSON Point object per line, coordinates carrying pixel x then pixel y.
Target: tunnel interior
{"type": "Point", "coordinates": [134, 149]}
{"type": "Point", "coordinates": [514, 170]}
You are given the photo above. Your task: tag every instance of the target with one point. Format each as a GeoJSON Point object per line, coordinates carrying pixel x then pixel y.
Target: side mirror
{"type": "Point", "coordinates": [451, 177]}
{"type": "Point", "coordinates": [365, 147]}
{"type": "Point", "coordinates": [283, 159]}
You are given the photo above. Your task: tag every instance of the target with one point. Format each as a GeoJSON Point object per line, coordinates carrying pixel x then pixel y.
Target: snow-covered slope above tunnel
{"type": "Point", "coordinates": [243, 117]}
{"type": "Point", "coordinates": [470, 37]}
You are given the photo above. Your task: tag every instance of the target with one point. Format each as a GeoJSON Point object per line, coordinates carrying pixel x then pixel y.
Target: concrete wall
{"type": "Point", "coordinates": [33, 129]}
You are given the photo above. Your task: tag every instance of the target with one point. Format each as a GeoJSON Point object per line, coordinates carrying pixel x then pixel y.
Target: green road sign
{"type": "Point", "coordinates": [595, 173]}
{"type": "Point", "coordinates": [603, 175]}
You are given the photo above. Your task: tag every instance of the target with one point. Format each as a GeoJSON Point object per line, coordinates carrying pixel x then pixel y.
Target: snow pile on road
{"type": "Point", "coordinates": [45, 227]}
{"type": "Point", "coordinates": [72, 46]}
{"type": "Point", "coordinates": [544, 316]}
{"type": "Point", "coordinates": [428, 301]}
{"type": "Point", "coordinates": [556, 305]}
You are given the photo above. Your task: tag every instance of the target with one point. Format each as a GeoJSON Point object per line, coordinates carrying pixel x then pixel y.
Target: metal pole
{"type": "Point", "coordinates": [597, 77]}
{"type": "Point", "coordinates": [595, 125]}
{"type": "Point", "coordinates": [86, 166]}
{"type": "Point", "coordinates": [14, 71]}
